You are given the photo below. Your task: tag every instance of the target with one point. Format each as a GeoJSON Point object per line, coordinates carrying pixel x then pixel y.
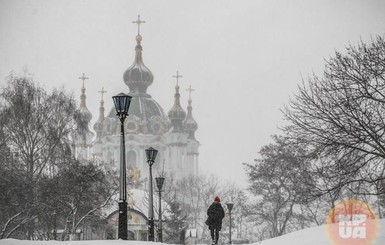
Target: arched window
{"type": "Point", "coordinates": [131, 159]}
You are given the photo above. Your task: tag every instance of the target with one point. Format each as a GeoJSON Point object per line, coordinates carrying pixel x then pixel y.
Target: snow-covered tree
{"type": "Point", "coordinates": [276, 181]}
{"type": "Point", "coordinates": [40, 176]}
{"type": "Point", "coordinates": [340, 116]}
{"type": "Point", "coordinates": [175, 223]}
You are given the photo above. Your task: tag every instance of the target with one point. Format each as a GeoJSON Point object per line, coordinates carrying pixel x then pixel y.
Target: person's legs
{"type": "Point", "coordinates": [216, 236]}
{"type": "Point", "coordinates": [212, 235]}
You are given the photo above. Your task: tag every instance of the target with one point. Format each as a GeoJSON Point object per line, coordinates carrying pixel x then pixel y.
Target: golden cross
{"type": "Point", "coordinates": [177, 77]}
{"type": "Point", "coordinates": [139, 21]}
{"type": "Point", "coordinates": [102, 92]}
{"type": "Point", "coordinates": [83, 77]}
{"type": "Point", "coordinates": [190, 90]}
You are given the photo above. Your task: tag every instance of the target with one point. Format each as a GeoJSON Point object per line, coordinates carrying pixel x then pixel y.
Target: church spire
{"type": "Point", "coordinates": [177, 114]}
{"type": "Point", "coordinates": [189, 124]}
{"type": "Point", "coordinates": [101, 108]}
{"type": "Point", "coordinates": [138, 48]}
{"type": "Point", "coordinates": [85, 113]}
{"type": "Point", "coordinates": [138, 77]}
{"type": "Point", "coordinates": [83, 134]}
{"type": "Point", "coordinates": [98, 126]}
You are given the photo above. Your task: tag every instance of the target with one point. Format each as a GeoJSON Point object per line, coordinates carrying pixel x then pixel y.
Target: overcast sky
{"type": "Point", "coordinates": [244, 58]}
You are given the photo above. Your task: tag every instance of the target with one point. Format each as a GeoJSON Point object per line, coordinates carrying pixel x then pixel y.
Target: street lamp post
{"type": "Point", "coordinates": [230, 207]}
{"type": "Point", "coordinates": [54, 224]}
{"type": "Point", "coordinates": [122, 104]}
{"type": "Point", "coordinates": [151, 155]}
{"type": "Point", "coordinates": [159, 184]}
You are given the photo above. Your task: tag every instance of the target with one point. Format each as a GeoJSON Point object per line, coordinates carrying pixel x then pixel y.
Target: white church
{"type": "Point", "coordinates": [172, 134]}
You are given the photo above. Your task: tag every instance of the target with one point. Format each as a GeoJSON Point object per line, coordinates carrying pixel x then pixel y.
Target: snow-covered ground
{"type": "Point", "coordinates": [311, 236]}
{"type": "Point", "coordinates": [316, 236]}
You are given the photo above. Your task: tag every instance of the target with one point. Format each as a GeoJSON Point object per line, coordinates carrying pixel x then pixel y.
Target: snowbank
{"type": "Point", "coordinates": [314, 236]}
{"type": "Point", "coordinates": [89, 242]}
{"type": "Point", "coordinates": [311, 236]}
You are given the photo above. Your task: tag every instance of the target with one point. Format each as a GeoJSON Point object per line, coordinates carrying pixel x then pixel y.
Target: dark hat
{"type": "Point", "coordinates": [217, 199]}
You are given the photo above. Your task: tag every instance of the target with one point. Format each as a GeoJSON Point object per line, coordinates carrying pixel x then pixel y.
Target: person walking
{"type": "Point", "coordinates": [214, 220]}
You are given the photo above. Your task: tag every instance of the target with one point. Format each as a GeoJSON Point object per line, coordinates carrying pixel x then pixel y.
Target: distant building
{"type": "Point", "coordinates": [172, 134]}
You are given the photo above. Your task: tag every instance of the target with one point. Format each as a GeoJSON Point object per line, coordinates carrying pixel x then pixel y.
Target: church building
{"type": "Point", "coordinates": [172, 134]}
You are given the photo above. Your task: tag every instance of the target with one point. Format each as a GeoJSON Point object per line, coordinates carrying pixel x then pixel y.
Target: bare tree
{"type": "Point", "coordinates": [276, 180]}
{"type": "Point", "coordinates": [36, 127]}
{"type": "Point", "coordinates": [79, 190]}
{"type": "Point", "coordinates": [341, 115]}
{"type": "Point", "coordinates": [231, 193]}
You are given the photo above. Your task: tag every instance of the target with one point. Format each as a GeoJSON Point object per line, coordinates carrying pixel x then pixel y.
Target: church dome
{"type": "Point", "coordinates": [146, 116]}
{"type": "Point", "coordinates": [84, 112]}
{"type": "Point", "coordinates": [189, 124]}
{"type": "Point", "coordinates": [83, 135]}
{"type": "Point", "coordinates": [98, 126]}
{"type": "Point", "coordinates": [149, 115]}
{"type": "Point", "coordinates": [176, 113]}
{"type": "Point", "coordinates": [138, 77]}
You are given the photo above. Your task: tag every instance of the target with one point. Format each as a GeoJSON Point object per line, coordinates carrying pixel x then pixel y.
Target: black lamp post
{"type": "Point", "coordinates": [54, 224]}
{"type": "Point", "coordinates": [159, 184]}
{"type": "Point", "coordinates": [151, 155]}
{"type": "Point", "coordinates": [122, 104]}
{"type": "Point", "coordinates": [230, 207]}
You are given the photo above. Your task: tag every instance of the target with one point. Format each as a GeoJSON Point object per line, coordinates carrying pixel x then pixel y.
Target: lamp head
{"type": "Point", "coordinates": [122, 103]}
{"type": "Point", "coordinates": [159, 182]}
{"type": "Point", "coordinates": [230, 206]}
{"type": "Point", "coordinates": [151, 155]}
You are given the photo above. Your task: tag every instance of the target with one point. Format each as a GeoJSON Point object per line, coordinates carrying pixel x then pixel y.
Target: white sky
{"type": "Point", "coordinates": [243, 58]}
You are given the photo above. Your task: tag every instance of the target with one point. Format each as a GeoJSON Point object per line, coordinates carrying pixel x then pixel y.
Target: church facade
{"type": "Point", "coordinates": [172, 134]}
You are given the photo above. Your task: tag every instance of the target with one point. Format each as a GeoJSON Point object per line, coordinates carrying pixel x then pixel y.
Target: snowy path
{"type": "Point", "coordinates": [311, 236]}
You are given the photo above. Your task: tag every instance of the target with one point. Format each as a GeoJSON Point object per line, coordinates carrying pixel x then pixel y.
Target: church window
{"type": "Point", "coordinates": [131, 158]}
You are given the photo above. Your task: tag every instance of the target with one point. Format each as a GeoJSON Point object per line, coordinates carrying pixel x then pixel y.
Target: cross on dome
{"type": "Point", "coordinates": [83, 107]}
{"type": "Point", "coordinates": [102, 92]}
{"type": "Point", "coordinates": [139, 22]}
{"type": "Point", "coordinates": [190, 90]}
{"type": "Point", "coordinates": [83, 78]}
{"type": "Point", "coordinates": [138, 77]}
{"type": "Point", "coordinates": [177, 76]}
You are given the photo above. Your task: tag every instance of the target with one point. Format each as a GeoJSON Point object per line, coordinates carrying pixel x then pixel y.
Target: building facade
{"type": "Point", "coordinates": [172, 134]}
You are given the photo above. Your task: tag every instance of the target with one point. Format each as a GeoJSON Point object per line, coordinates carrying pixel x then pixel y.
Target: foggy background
{"type": "Point", "coordinates": [243, 58]}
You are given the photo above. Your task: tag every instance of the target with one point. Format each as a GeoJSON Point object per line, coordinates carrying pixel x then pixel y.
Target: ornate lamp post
{"type": "Point", "coordinates": [159, 184]}
{"type": "Point", "coordinates": [122, 104]}
{"type": "Point", "coordinates": [151, 155]}
{"type": "Point", "coordinates": [230, 207]}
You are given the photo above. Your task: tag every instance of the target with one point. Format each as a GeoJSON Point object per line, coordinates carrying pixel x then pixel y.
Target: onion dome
{"type": "Point", "coordinates": [83, 135]}
{"type": "Point", "coordinates": [177, 114]}
{"type": "Point", "coordinates": [98, 126]}
{"type": "Point", "coordinates": [84, 112]}
{"type": "Point", "coordinates": [189, 124]}
{"type": "Point", "coordinates": [146, 116]}
{"type": "Point", "coordinates": [138, 77]}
